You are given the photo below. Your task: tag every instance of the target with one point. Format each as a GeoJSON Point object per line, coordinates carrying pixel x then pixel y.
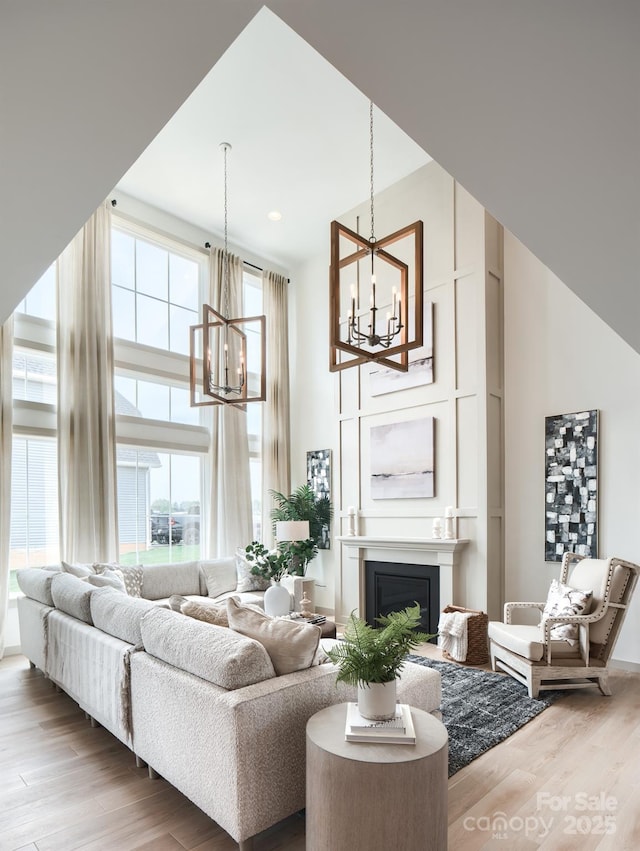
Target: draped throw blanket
{"type": "Point", "coordinates": [453, 634]}
{"type": "Point", "coordinates": [86, 415]}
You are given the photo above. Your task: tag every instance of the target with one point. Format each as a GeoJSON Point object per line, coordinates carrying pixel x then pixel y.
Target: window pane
{"type": "Point", "coordinates": [41, 299]}
{"type": "Point", "coordinates": [158, 506]}
{"type": "Point", "coordinates": [151, 270]}
{"type": "Point", "coordinates": [152, 322]}
{"type": "Point", "coordinates": [123, 304]}
{"type": "Point", "coordinates": [34, 503]}
{"type": "Point", "coordinates": [122, 259]}
{"type": "Point", "coordinates": [180, 320]}
{"type": "Point", "coordinates": [126, 401]}
{"type": "Point", "coordinates": [34, 377]}
{"type": "Point", "coordinates": [181, 410]}
{"type": "Point", "coordinates": [252, 295]}
{"type": "Point", "coordinates": [255, 469]}
{"type": "Point", "coordinates": [153, 400]}
{"type": "Point", "coordinates": [183, 282]}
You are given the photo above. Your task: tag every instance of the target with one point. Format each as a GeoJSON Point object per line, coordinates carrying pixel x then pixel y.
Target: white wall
{"type": "Point", "coordinates": [560, 357]}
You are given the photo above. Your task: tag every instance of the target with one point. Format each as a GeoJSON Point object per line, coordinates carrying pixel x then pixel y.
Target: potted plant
{"type": "Point", "coordinates": [303, 504]}
{"type": "Point", "coordinates": [371, 658]}
{"type": "Point", "coordinates": [270, 565]}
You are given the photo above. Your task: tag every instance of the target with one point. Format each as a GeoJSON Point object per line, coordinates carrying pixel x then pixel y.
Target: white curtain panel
{"type": "Point", "coordinates": [6, 425]}
{"type": "Point", "coordinates": [230, 521]}
{"type": "Point", "coordinates": [276, 466]}
{"type": "Point", "coordinates": [86, 415]}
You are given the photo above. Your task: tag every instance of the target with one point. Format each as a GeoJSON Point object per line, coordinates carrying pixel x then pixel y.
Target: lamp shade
{"type": "Point", "coordinates": [292, 530]}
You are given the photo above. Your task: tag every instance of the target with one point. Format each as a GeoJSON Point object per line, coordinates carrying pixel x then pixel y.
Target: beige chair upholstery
{"type": "Point", "coordinates": [529, 654]}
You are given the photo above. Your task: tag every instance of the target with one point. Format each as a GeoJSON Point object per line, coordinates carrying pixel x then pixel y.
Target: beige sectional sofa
{"type": "Point", "coordinates": [201, 704]}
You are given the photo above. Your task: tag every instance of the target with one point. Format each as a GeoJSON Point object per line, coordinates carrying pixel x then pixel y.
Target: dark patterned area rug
{"type": "Point", "coordinates": [480, 709]}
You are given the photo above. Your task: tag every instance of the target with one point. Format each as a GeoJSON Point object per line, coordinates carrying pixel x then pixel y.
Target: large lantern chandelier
{"type": "Point", "coordinates": [227, 356]}
{"type": "Point", "coordinates": [381, 324]}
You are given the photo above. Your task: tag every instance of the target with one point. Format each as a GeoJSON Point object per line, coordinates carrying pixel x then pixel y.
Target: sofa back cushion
{"type": "Point", "coordinates": [213, 653]}
{"type": "Point", "coordinates": [35, 582]}
{"type": "Point", "coordinates": [73, 596]}
{"type": "Point", "coordinates": [163, 580]}
{"type": "Point", "coordinates": [220, 576]}
{"type": "Point", "coordinates": [118, 614]}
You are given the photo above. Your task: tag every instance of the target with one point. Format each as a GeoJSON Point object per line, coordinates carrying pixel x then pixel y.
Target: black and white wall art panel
{"type": "Point", "coordinates": [402, 462]}
{"type": "Point", "coordinates": [319, 480]}
{"type": "Point", "coordinates": [571, 485]}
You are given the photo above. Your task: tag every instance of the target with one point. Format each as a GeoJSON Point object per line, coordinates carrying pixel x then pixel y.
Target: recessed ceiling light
{"type": "Point", "coordinates": [274, 216]}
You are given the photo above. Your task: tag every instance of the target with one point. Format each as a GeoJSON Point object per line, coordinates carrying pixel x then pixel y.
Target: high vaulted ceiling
{"type": "Point", "coordinates": [533, 107]}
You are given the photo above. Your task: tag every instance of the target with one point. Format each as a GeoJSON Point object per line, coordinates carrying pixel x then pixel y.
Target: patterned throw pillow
{"type": "Point", "coordinates": [132, 576]}
{"type": "Point", "coordinates": [246, 580]}
{"type": "Point", "coordinates": [565, 600]}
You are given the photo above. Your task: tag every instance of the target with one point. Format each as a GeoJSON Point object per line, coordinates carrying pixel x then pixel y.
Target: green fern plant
{"type": "Point", "coordinates": [375, 655]}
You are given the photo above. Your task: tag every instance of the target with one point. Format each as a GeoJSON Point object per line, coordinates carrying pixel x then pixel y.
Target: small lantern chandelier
{"type": "Point", "coordinates": [396, 288]}
{"type": "Point", "coordinates": [218, 366]}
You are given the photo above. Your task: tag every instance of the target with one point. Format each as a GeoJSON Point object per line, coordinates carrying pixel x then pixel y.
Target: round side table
{"type": "Point", "coordinates": [375, 796]}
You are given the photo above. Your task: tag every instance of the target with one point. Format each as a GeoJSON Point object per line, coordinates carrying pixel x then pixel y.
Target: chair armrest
{"type": "Point", "coordinates": [508, 608]}
{"type": "Point", "coordinates": [581, 621]}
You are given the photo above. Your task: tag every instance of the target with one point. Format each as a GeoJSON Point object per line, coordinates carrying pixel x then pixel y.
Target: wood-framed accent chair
{"type": "Point", "coordinates": [540, 662]}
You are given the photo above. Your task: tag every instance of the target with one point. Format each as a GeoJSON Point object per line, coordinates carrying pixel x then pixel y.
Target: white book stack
{"type": "Point", "coordinates": [396, 731]}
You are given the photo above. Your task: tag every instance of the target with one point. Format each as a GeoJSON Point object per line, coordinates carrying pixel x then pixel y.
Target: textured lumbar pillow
{"type": "Point", "coordinates": [563, 600]}
{"type": "Point", "coordinates": [246, 580]}
{"type": "Point", "coordinates": [207, 612]}
{"type": "Point", "coordinates": [292, 646]}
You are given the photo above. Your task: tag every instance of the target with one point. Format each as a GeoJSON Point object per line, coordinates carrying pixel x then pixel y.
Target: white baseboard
{"type": "Point", "coordinates": [16, 650]}
{"type": "Point", "coordinates": [622, 665]}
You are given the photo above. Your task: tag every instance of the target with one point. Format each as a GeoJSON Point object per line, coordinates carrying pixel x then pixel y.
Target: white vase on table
{"type": "Point", "coordinates": [276, 600]}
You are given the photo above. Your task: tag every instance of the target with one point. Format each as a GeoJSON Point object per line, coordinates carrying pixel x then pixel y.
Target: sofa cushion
{"type": "Point", "coordinates": [118, 614]}
{"type": "Point", "coordinates": [220, 576]}
{"type": "Point", "coordinates": [108, 579]}
{"type": "Point", "coordinates": [213, 653]}
{"type": "Point", "coordinates": [79, 570]}
{"type": "Point", "coordinates": [73, 596]}
{"type": "Point", "coordinates": [163, 580]}
{"type": "Point", "coordinates": [292, 646]}
{"type": "Point", "coordinates": [207, 612]}
{"type": "Point", "coordinates": [36, 584]}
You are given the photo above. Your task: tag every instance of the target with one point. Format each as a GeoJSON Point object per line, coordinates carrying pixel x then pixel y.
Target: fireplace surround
{"type": "Point", "coordinates": [360, 549]}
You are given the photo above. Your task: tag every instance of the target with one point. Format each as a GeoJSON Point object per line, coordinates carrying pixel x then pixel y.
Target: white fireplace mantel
{"type": "Point", "coordinates": [433, 551]}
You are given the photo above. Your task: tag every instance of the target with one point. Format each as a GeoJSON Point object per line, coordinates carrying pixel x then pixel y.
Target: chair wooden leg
{"type": "Point", "coordinates": [603, 685]}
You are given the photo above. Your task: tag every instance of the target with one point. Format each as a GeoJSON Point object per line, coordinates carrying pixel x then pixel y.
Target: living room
{"type": "Point", "coordinates": [547, 353]}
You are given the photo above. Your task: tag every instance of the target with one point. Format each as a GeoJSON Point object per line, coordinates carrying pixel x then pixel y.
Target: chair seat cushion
{"type": "Point", "coordinates": [527, 641]}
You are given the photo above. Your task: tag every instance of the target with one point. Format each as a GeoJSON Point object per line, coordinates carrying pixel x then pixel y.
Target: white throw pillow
{"type": "Point", "coordinates": [108, 579]}
{"type": "Point", "coordinates": [79, 570]}
{"type": "Point", "coordinates": [220, 575]}
{"type": "Point", "coordinates": [563, 600]}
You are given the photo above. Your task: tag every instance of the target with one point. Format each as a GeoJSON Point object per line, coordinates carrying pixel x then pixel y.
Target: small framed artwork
{"type": "Point", "coordinates": [571, 485]}
{"type": "Point", "coordinates": [319, 480]}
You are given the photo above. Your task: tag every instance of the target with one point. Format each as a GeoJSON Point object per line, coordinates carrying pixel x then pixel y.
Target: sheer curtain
{"type": "Point", "coordinates": [230, 521]}
{"type": "Point", "coordinates": [6, 425]}
{"type": "Point", "coordinates": [276, 467]}
{"type": "Point", "coordinates": [86, 416]}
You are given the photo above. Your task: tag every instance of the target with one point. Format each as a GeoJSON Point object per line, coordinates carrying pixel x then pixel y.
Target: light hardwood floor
{"type": "Point", "coordinates": [561, 782]}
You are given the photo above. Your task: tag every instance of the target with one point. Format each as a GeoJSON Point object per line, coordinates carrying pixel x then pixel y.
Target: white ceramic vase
{"type": "Point", "coordinates": [377, 701]}
{"type": "Point", "coordinates": [277, 600]}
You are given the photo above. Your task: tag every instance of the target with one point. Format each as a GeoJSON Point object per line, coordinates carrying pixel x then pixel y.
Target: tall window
{"type": "Point", "coordinates": [252, 298]}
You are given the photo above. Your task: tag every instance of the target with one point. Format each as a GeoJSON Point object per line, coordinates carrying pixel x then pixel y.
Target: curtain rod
{"type": "Point", "coordinates": [207, 245]}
